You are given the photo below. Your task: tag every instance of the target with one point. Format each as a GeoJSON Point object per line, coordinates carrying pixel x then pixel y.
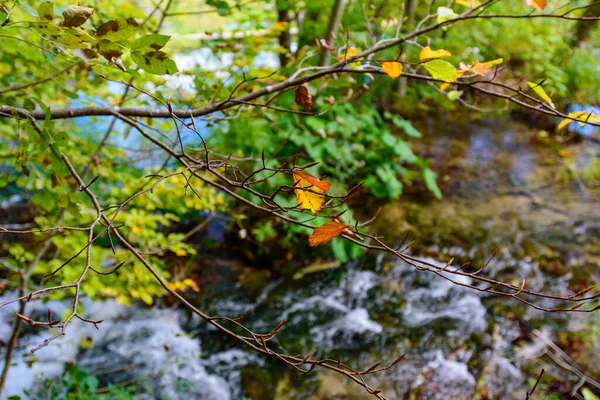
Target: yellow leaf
{"type": "Point", "coordinates": [280, 25]}
{"type": "Point", "coordinates": [392, 68]}
{"type": "Point", "coordinates": [564, 123]}
{"type": "Point", "coordinates": [582, 117]}
{"type": "Point", "coordinates": [564, 153]}
{"type": "Point", "coordinates": [326, 232]}
{"type": "Point", "coordinates": [428, 54]}
{"type": "Point", "coordinates": [468, 3]}
{"type": "Point", "coordinates": [136, 229]}
{"type": "Point", "coordinates": [311, 198]}
{"type": "Point", "coordinates": [539, 4]}
{"type": "Point", "coordinates": [444, 86]}
{"type": "Point", "coordinates": [180, 252]}
{"type": "Point", "coordinates": [351, 52]}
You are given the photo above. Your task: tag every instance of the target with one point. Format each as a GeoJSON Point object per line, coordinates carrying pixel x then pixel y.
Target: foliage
{"type": "Point", "coordinates": [79, 384]}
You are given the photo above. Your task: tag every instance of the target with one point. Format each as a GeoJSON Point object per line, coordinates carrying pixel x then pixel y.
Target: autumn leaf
{"type": "Point", "coordinates": [539, 4]}
{"type": "Point", "coordinates": [469, 3]}
{"type": "Point", "coordinates": [303, 97]}
{"type": "Point", "coordinates": [311, 198]}
{"type": "Point", "coordinates": [539, 90]}
{"type": "Point", "coordinates": [346, 54]}
{"type": "Point", "coordinates": [428, 54]}
{"type": "Point", "coordinates": [326, 232]}
{"type": "Point", "coordinates": [479, 68]}
{"type": "Point", "coordinates": [581, 116]}
{"type": "Point", "coordinates": [392, 68]}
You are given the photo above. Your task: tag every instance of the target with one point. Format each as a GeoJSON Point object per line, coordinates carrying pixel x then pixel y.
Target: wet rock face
{"type": "Point", "coordinates": [443, 379]}
{"type": "Point", "coordinates": [502, 380]}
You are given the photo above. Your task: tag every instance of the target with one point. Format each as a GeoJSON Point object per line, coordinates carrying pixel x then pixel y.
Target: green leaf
{"type": "Point", "coordinates": [588, 395]}
{"type": "Point", "coordinates": [441, 69]}
{"type": "Point", "coordinates": [539, 90]}
{"type": "Point", "coordinates": [445, 14]}
{"type": "Point", "coordinates": [46, 11]}
{"type": "Point", "coordinates": [76, 16]}
{"type": "Point", "coordinates": [149, 43]}
{"type": "Point", "coordinates": [28, 9]}
{"type": "Point", "coordinates": [109, 50]}
{"type": "Point", "coordinates": [117, 29]}
{"type": "Point", "coordinates": [454, 94]}
{"type": "Point", "coordinates": [430, 179]}
{"type": "Point", "coordinates": [221, 6]}
{"type": "Point", "coordinates": [406, 126]}
{"type": "Point", "coordinates": [155, 62]}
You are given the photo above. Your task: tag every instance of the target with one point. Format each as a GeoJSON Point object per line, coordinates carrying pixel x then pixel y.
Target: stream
{"type": "Point", "coordinates": [504, 184]}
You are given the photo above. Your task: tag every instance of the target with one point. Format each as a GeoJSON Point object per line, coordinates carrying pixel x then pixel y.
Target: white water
{"type": "Point", "coordinates": [132, 342]}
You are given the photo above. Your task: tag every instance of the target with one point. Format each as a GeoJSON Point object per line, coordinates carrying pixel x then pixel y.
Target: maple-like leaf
{"type": "Point", "coordinates": [326, 232]}
{"type": "Point", "coordinates": [539, 4]}
{"type": "Point", "coordinates": [392, 68]}
{"type": "Point", "coordinates": [428, 54]}
{"type": "Point", "coordinates": [302, 97]}
{"type": "Point", "coordinates": [311, 198]}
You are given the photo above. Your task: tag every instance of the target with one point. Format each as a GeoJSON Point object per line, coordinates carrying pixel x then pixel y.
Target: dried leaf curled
{"type": "Point", "coordinates": [303, 97]}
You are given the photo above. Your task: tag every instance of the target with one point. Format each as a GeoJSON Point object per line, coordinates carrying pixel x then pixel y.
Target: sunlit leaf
{"type": "Point", "coordinates": [46, 11]}
{"type": "Point", "coordinates": [347, 53]}
{"type": "Point", "coordinates": [445, 14]}
{"type": "Point", "coordinates": [311, 198]}
{"type": "Point", "coordinates": [582, 117]}
{"type": "Point", "coordinates": [428, 54]}
{"type": "Point", "coordinates": [117, 29]}
{"type": "Point", "coordinates": [155, 62]}
{"type": "Point", "coordinates": [454, 94]}
{"type": "Point", "coordinates": [468, 3]}
{"type": "Point", "coordinates": [539, 4]}
{"type": "Point", "coordinates": [152, 42]}
{"type": "Point", "coordinates": [76, 15]}
{"type": "Point", "coordinates": [440, 69]}
{"type": "Point", "coordinates": [479, 68]}
{"type": "Point", "coordinates": [326, 232]}
{"type": "Point", "coordinates": [392, 68]}
{"type": "Point", "coordinates": [539, 90]}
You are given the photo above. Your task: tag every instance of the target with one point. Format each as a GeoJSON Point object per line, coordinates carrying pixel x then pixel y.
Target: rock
{"type": "Point", "coordinates": [501, 380]}
{"type": "Point", "coordinates": [443, 379]}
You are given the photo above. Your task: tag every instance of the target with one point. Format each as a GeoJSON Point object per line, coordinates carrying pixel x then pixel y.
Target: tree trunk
{"type": "Point", "coordinates": [285, 39]}
{"type": "Point", "coordinates": [409, 7]}
{"type": "Point", "coordinates": [332, 30]}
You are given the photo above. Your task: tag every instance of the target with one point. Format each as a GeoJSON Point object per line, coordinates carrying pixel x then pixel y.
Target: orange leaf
{"type": "Point", "coordinates": [311, 198]}
{"type": "Point", "coordinates": [428, 54]}
{"type": "Point", "coordinates": [303, 97]}
{"type": "Point", "coordinates": [326, 232]}
{"type": "Point", "coordinates": [539, 4]}
{"type": "Point", "coordinates": [392, 68]}
{"type": "Point", "coordinates": [479, 68]}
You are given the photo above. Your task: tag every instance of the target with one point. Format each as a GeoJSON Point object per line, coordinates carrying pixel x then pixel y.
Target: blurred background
{"type": "Point", "coordinates": [463, 180]}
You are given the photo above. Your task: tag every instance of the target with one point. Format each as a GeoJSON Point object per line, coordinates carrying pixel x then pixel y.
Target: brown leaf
{"type": "Point", "coordinates": [303, 97]}
{"type": "Point", "coordinates": [326, 232]}
{"type": "Point", "coordinates": [75, 16]}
